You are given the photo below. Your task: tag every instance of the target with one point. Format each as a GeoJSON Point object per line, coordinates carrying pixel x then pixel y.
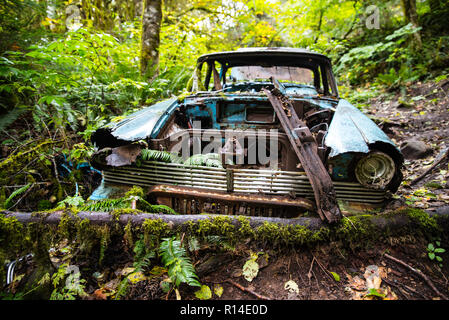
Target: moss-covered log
{"type": "Point", "coordinates": [395, 220]}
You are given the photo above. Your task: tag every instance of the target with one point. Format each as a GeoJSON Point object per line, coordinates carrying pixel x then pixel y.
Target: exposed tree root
{"type": "Point", "coordinates": [257, 295]}
{"type": "Point", "coordinates": [418, 272]}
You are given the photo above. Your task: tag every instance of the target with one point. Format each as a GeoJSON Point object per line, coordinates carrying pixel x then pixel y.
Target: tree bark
{"type": "Point", "coordinates": [411, 16]}
{"type": "Point", "coordinates": [151, 25]}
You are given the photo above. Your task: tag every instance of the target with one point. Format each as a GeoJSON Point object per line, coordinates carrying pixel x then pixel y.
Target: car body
{"type": "Point", "coordinates": [229, 99]}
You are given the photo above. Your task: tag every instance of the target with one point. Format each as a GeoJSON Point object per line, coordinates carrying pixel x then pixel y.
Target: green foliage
{"type": "Point", "coordinates": [208, 160]}
{"type": "Point", "coordinates": [67, 287]}
{"type": "Point", "coordinates": [392, 55]}
{"type": "Point", "coordinates": [433, 251]}
{"type": "Point", "coordinates": [75, 201]}
{"type": "Point", "coordinates": [156, 155]}
{"type": "Point", "coordinates": [142, 255]}
{"type": "Point", "coordinates": [175, 258]}
{"type": "Point", "coordinates": [8, 202]}
{"type": "Point", "coordinates": [204, 293]}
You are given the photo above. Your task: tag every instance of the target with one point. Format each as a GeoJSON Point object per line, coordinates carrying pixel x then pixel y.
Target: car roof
{"type": "Point", "coordinates": [261, 55]}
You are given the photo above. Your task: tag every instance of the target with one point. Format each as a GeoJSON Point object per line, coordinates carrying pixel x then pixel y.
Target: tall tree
{"type": "Point", "coordinates": [411, 15]}
{"type": "Point", "coordinates": [151, 26]}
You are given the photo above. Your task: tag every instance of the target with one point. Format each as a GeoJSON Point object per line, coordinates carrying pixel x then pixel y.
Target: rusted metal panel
{"type": "Point", "coordinates": [306, 149]}
{"type": "Point", "coordinates": [190, 200]}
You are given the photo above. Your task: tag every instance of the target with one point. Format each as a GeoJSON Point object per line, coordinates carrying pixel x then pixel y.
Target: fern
{"type": "Point", "coordinates": [144, 205]}
{"type": "Point", "coordinates": [16, 193]}
{"type": "Point", "coordinates": [156, 155]}
{"type": "Point", "coordinates": [142, 255]}
{"type": "Point", "coordinates": [208, 160]}
{"type": "Point", "coordinates": [106, 205]}
{"type": "Point", "coordinates": [11, 116]}
{"type": "Point", "coordinates": [175, 258]}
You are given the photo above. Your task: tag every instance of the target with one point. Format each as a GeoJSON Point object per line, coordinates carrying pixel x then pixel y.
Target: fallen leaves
{"type": "Point", "coordinates": [370, 288]}
{"type": "Point", "coordinates": [291, 287]}
{"type": "Point", "coordinates": [250, 268]}
{"type": "Point", "coordinates": [204, 293]}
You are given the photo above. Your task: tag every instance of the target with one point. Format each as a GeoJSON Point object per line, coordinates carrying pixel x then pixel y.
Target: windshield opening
{"type": "Point", "coordinates": [286, 74]}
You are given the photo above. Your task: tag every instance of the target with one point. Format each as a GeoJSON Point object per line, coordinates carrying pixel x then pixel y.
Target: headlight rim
{"type": "Point", "coordinates": [378, 182]}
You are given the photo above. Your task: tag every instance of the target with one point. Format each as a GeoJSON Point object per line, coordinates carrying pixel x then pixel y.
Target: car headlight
{"type": "Point", "coordinates": [375, 170]}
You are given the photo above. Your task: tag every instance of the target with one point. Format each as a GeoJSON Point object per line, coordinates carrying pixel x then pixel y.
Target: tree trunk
{"type": "Point", "coordinates": [151, 25]}
{"type": "Point", "coordinates": [411, 16]}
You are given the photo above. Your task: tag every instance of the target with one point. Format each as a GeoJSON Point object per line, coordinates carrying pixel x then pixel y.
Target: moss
{"type": "Point", "coordinates": [221, 226]}
{"type": "Point", "coordinates": [44, 205]}
{"type": "Point", "coordinates": [422, 220]}
{"type": "Point", "coordinates": [105, 238]}
{"type": "Point", "coordinates": [92, 241]}
{"type": "Point", "coordinates": [118, 212]}
{"type": "Point", "coordinates": [154, 230]}
{"type": "Point", "coordinates": [2, 197]}
{"type": "Point", "coordinates": [135, 191]}
{"type": "Point", "coordinates": [129, 236]}
{"type": "Point", "coordinates": [245, 229]}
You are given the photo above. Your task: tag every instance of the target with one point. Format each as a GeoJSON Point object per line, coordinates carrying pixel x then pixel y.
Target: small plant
{"type": "Point", "coordinates": [73, 284]}
{"type": "Point", "coordinates": [175, 258]}
{"type": "Point", "coordinates": [434, 250]}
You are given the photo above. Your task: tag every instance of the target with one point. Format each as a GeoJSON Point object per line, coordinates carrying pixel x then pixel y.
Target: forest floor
{"type": "Point", "coordinates": [329, 272]}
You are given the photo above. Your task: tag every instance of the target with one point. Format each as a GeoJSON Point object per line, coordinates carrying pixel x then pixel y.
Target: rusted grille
{"type": "Point", "coordinates": [245, 181]}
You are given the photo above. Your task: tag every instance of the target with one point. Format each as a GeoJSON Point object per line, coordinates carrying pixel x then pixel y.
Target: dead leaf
{"type": "Point", "coordinates": [291, 286]}
{"type": "Point", "coordinates": [100, 295]}
{"type": "Point", "coordinates": [356, 283]}
{"type": "Point", "coordinates": [372, 277]}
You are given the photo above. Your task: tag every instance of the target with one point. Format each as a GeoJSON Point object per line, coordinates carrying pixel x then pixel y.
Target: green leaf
{"type": "Point", "coordinates": [250, 270]}
{"type": "Point", "coordinates": [439, 258]}
{"type": "Point", "coordinates": [439, 250]}
{"type": "Point", "coordinates": [17, 192]}
{"type": "Point", "coordinates": [218, 290]}
{"type": "Point", "coordinates": [430, 247]}
{"type": "Point", "coordinates": [336, 276]}
{"type": "Point", "coordinates": [431, 255]}
{"type": "Point", "coordinates": [374, 293]}
{"type": "Point", "coordinates": [204, 293]}
{"type": "Point", "coordinates": [175, 258]}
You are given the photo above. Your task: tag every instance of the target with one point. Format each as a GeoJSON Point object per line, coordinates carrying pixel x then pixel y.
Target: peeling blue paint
{"type": "Point", "coordinates": [141, 124]}
{"type": "Point", "coordinates": [352, 131]}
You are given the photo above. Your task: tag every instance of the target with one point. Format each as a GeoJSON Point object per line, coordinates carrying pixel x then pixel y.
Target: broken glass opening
{"type": "Point", "coordinates": [282, 73]}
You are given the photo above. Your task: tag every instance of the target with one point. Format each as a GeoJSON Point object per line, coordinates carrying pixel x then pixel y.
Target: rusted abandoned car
{"type": "Point", "coordinates": [263, 132]}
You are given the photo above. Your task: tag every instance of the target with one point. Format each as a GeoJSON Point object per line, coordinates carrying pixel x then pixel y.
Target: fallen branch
{"type": "Point", "coordinates": [444, 154]}
{"type": "Point", "coordinates": [391, 284]}
{"type": "Point", "coordinates": [418, 272]}
{"type": "Point", "coordinates": [259, 296]}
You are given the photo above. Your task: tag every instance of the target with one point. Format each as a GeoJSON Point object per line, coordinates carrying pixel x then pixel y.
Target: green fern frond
{"type": "Point", "coordinates": [106, 205]}
{"type": "Point", "coordinates": [208, 159]}
{"type": "Point", "coordinates": [157, 155]}
{"type": "Point", "coordinates": [16, 193]}
{"type": "Point", "coordinates": [142, 204]}
{"type": "Point", "coordinates": [180, 267]}
{"type": "Point", "coordinates": [11, 116]}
